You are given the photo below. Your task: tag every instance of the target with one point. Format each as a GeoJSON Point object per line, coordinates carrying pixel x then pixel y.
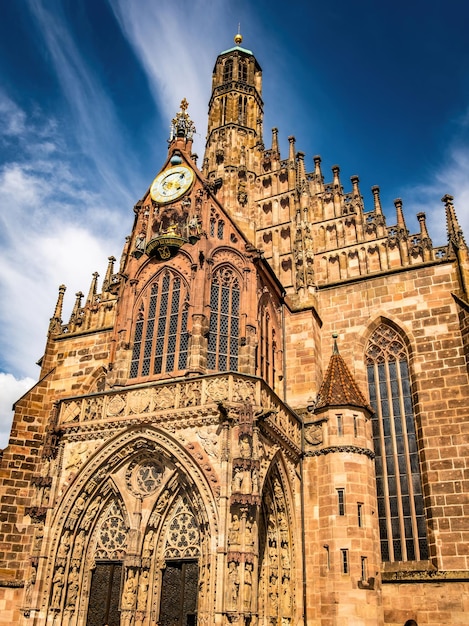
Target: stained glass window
{"type": "Point", "coordinates": [223, 339]}
{"type": "Point", "coordinates": [399, 486]}
{"type": "Point", "coordinates": [161, 339]}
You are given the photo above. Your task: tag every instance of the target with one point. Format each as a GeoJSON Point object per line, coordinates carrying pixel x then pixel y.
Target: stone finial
{"type": "Point", "coordinates": [93, 288]}
{"type": "Point", "coordinates": [301, 166]}
{"type": "Point", "coordinates": [401, 225]}
{"type": "Point", "coordinates": [455, 234]}
{"type": "Point", "coordinates": [336, 179]}
{"type": "Point", "coordinates": [377, 200]}
{"type": "Point", "coordinates": [291, 153]}
{"type": "Point", "coordinates": [355, 188]}
{"type": "Point", "coordinates": [335, 348]}
{"type": "Point", "coordinates": [423, 225]}
{"type": "Point", "coordinates": [109, 273]}
{"type": "Point", "coordinates": [76, 306]}
{"type": "Point", "coordinates": [60, 302]}
{"type": "Point", "coordinates": [317, 165]}
{"type": "Point", "coordinates": [275, 140]}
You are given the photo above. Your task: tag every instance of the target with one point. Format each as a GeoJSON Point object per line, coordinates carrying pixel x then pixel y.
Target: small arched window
{"type": "Point", "coordinates": [161, 338]}
{"type": "Point", "coordinates": [223, 339]}
{"type": "Point", "coordinates": [399, 486]}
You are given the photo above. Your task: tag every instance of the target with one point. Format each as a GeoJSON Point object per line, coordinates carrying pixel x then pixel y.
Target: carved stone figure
{"type": "Point", "coordinates": [79, 545]}
{"type": "Point", "coordinates": [64, 546]}
{"type": "Point", "coordinates": [57, 587]}
{"type": "Point", "coordinates": [247, 585]}
{"type": "Point", "coordinates": [91, 513]}
{"type": "Point", "coordinates": [128, 594]}
{"type": "Point", "coordinates": [245, 447]}
{"type": "Point", "coordinates": [72, 591]}
{"type": "Point", "coordinates": [148, 544]}
{"type": "Point", "coordinates": [233, 577]}
{"type": "Point", "coordinates": [233, 533]}
{"type": "Point", "coordinates": [143, 591]}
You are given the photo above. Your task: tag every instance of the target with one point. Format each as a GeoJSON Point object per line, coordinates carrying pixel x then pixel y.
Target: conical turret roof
{"type": "Point", "coordinates": [339, 387]}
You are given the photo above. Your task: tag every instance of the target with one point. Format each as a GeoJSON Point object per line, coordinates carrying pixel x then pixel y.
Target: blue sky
{"type": "Point", "coordinates": [88, 89]}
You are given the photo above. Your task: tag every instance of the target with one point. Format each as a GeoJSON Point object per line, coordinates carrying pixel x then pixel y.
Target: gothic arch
{"type": "Point", "coordinates": [160, 335]}
{"type": "Point", "coordinates": [131, 479]}
{"type": "Point", "coordinates": [402, 522]}
{"type": "Point", "coordinates": [277, 556]}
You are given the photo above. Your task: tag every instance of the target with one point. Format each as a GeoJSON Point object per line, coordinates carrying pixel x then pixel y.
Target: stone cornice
{"type": "Point", "coordinates": [335, 449]}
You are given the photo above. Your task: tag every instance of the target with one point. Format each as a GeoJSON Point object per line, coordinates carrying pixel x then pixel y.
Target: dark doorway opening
{"type": "Point", "coordinates": [105, 593]}
{"type": "Point", "coordinates": [179, 594]}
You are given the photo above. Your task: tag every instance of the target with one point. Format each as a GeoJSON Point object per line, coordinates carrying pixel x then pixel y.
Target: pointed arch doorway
{"type": "Point", "coordinates": [105, 593]}
{"type": "Point", "coordinates": [179, 588]}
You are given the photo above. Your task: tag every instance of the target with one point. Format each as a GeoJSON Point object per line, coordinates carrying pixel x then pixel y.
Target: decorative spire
{"type": "Point", "coordinates": [401, 225]}
{"type": "Point", "coordinates": [336, 172]}
{"type": "Point", "coordinates": [109, 273]}
{"type": "Point", "coordinates": [56, 320]}
{"type": "Point", "coordinates": [60, 303]}
{"type": "Point", "coordinates": [377, 200]}
{"type": "Point", "coordinates": [275, 140]}
{"type": "Point", "coordinates": [238, 38]}
{"type": "Point", "coordinates": [339, 387]}
{"type": "Point", "coordinates": [423, 226]}
{"type": "Point", "coordinates": [93, 288]}
{"type": "Point", "coordinates": [355, 188]}
{"type": "Point", "coordinates": [182, 125]}
{"type": "Point", "coordinates": [455, 234]}
{"type": "Point", "coordinates": [301, 167]}
{"type": "Point", "coordinates": [317, 166]}
{"type": "Point", "coordinates": [291, 151]}
{"type": "Point", "coordinates": [76, 307]}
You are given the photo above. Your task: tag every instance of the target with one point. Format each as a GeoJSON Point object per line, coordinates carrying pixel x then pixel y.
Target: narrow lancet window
{"type": "Point", "coordinates": [223, 337]}
{"type": "Point", "coordinates": [399, 486]}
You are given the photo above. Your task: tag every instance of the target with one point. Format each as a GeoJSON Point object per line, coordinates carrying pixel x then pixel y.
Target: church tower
{"type": "Point", "coordinates": [196, 450]}
{"type": "Point", "coordinates": [234, 137]}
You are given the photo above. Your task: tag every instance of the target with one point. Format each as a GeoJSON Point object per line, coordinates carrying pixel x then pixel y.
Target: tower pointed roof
{"type": "Point", "coordinates": [338, 386]}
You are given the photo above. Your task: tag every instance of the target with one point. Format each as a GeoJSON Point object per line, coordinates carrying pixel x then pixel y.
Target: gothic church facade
{"type": "Point", "coordinates": [260, 417]}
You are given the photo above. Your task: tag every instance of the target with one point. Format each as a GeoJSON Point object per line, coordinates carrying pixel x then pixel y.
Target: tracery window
{"type": "Point", "coordinates": [399, 486]}
{"type": "Point", "coordinates": [228, 71]}
{"type": "Point", "coordinates": [243, 71]}
{"type": "Point", "coordinates": [223, 339]}
{"type": "Point", "coordinates": [242, 110]}
{"type": "Point", "coordinates": [161, 339]}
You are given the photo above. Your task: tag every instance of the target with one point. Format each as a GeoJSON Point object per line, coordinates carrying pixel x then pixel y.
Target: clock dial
{"type": "Point", "coordinates": [171, 184]}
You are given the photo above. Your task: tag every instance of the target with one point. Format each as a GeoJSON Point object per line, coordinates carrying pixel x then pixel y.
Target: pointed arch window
{"type": "Point", "coordinates": [228, 71]}
{"type": "Point", "coordinates": [267, 347]}
{"type": "Point", "coordinates": [242, 110]}
{"type": "Point", "coordinates": [161, 338]}
{"type": "Point", "coordinates": [399, 485]}
{"type": "Point", "coordinates": [243, 71]}
{"type": "Point", "coordinates": [223, 339]}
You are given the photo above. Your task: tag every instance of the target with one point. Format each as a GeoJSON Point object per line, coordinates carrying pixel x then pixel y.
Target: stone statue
{"type": "Point", "coordinates": [247, 585]}
{"type": "Point", "coordinates": [233, 577]}
{"type": "Point", "coordinates": [143, 591]}
{"type": "Point", "coordinates": [148, 544]}
{"type": "Point", "coordinates": [128, 594]}
{"type": "Point", "coordinates": [57, 587]}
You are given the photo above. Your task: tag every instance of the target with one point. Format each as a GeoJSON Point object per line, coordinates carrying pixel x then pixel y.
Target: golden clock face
{"type": "Point", "coordinates": [171, 184]}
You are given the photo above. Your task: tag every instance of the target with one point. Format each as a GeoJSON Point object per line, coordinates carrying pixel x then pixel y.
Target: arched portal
{"type": "Point", "coordinates": [275, 553]}
{"type": "Point", "coordinates": [131, 536]}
